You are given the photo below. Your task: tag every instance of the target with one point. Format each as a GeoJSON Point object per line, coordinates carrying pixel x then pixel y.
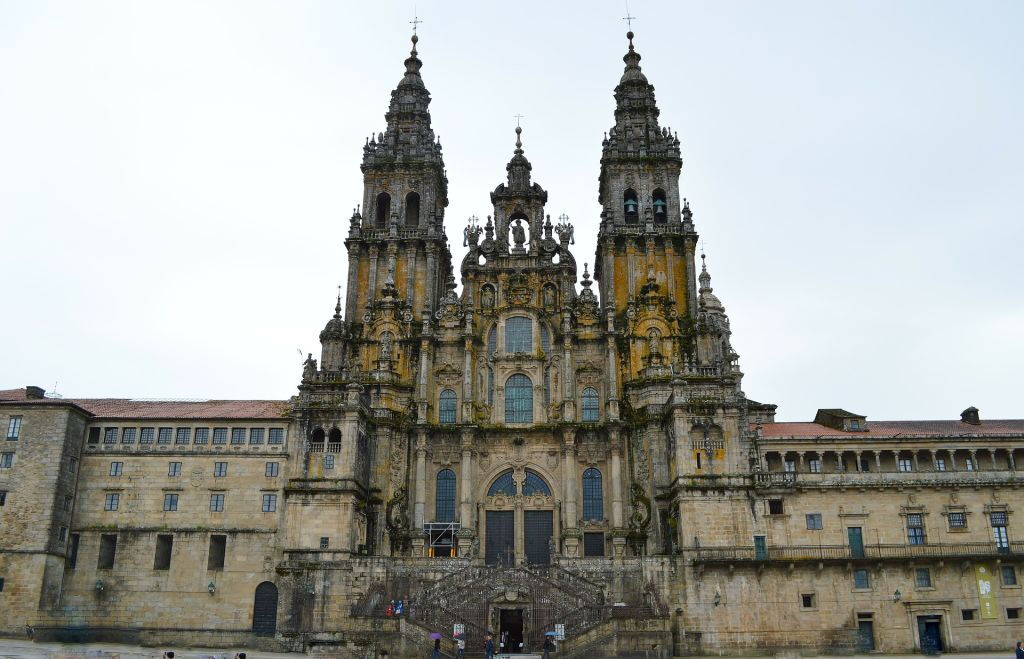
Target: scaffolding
{"type": "Point", "coordinates": [441, 538]}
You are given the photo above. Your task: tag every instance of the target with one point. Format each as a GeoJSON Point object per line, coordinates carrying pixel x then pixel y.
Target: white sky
{"type": "Point", "coordinates": [176, 178]}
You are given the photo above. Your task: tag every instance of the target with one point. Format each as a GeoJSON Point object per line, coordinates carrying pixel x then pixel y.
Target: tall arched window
{"type": "Point", "coordinates": [490, 386]}
{"type": "Point", "coordinates": [334, 437]}
{"type": "Point", "coordinates": [518, 399]}
{"type": "Point", "coordinates": [631, 206]}
{"type": "Point", "coordinates": [593, 496]}
{"type": "Point", "coordinates": [503, 484]}
{"type": "Point", "coordinates": [534, 484]}
{"type": "Point", "coordinates": [660, 206]}
{"type": "Point", "coordinates": [412, 210]}
{"type": "Point", "coordinates": [444, 496]}
{"type": "Point", "coordinates": [547, 386]}
{"type": "Point", "coordinates": [383, 210]}
{"type": "Point", "coordinates": [545, 338]}
{"type": "Point", "coordinates": [492, 340]}
{"type": "Point", "coordinates": [591, 405]}
{"type": "Point", "coordinates": [446, 407]}
{"type": "Point", "coordinates": [318, 437]}
{"type": "Point", "coordinates": [518, 335]}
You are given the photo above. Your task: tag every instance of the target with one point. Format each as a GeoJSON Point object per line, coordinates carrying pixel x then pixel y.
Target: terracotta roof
{"type": "Point", "coordinates": [12, 394]}
{"type": "Point", "coordinates": [127, 408]}
{"type": "Point", "coordinates": [880, 429]}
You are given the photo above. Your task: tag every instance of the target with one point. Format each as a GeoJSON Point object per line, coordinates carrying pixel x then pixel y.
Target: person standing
{"type": "Point", "coordinates": [489, 646]}
{"type": "Point", "coordinates": [436, 654]}
{"type": "Point", "coordinates": [1020, 650]}
{"type": "Point", "coordinates": [460, 640]}
{"type": "Point", "coordinates": [549, 647]}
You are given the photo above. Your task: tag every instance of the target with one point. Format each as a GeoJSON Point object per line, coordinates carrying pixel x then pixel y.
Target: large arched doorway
{"type": "Point", "coordinates": [264, 610]}
{"type": "Point", "coordinates": [519, 519]}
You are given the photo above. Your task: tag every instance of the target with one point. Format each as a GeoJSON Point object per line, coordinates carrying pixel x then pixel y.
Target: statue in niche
{"type": "Point", "coordinates": [654, 343]}
{"type": "Point", "coordinates": [549, 297]}
{"type": "Point", "coordinates": [518, 234]}
{"type": "Point", "coordinates": [487, 298]}
{"type": "Point", "coordinates": [385, 345]}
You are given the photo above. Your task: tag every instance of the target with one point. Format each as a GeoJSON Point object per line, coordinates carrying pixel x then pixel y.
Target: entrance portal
{"type": "Point", "coordinates": [510, 630]}
{"type": "Point", "coordinates": [929, 628]}
{"type": "Point", "coordinates": [539, 528]}
{"type": "Point", "coordinates": [500, 537]}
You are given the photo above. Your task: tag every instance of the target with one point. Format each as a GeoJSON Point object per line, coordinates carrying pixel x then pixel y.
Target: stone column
{"type": "Point", "coordinates": [1009, 459]}
{"type": "Point", "coordinates": [430, 288]}
{"type": "Point", "coordinates": [372, 284]}
{"type": "Point", "coordinates": [878, 461]}
{"type": "Point", "coordinates": [856, 456]}
{"type": "Point", "coordinates": [421, 479]}
{"type": "Point", "coordinates": [952, 459]}
{"type": "Point", "coordinates": [613, 438]}
{"type": "Point", "coordinates": [992, 454]}
{"type": "Point", "coordinates": [934, 455]}
{"type": "Point", "coordinates": [466, 484]}
{"type": "Point", "coordinates": [352, 292]}
{"type": "Point", "coordinates": [800, 462]}
{"type": "Point", "coordinates": [974, 459]}
{"type": "Point", "coordinates": [913, 457]}
{"type": "Point", "coordinates": [569, 476]}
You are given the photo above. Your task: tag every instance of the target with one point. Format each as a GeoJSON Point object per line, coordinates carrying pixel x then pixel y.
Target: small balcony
{"type": "Point", "coordinates": [791, 554]}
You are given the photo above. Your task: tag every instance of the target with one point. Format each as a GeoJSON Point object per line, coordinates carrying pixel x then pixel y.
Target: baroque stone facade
{"type": "Point", "coordinates": [529, 453]}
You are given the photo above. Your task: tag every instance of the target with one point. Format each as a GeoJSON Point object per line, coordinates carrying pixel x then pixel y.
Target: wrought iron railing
{"type": "Point", "coordinates": [797, 553]}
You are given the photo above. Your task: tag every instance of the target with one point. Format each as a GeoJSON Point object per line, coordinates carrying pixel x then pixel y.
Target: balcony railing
{"type": "Point", "coordinates": [843, 553]}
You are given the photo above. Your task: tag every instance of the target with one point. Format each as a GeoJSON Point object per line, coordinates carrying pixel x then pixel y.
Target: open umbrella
{"type": "Point", "coordinates": [551, 634]}
{"type": "Point", "coordinates": [434, 636]}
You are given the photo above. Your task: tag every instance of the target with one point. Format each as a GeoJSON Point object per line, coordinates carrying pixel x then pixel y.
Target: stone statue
{"type": "Point", "coordinates": [519, 234]}
{"type": "Point", "coordinates": [487, 298]}
{"type": "Point", "coordinates": [474, 548]}
{"type": "Point", "coordinates": [549, 297]}
{"type": "Point", "coordinates": [385, 345]}
{"type": "Point", "coordinates": [309, 368]}
{"type": "Point", "coordinates": [653, 343]}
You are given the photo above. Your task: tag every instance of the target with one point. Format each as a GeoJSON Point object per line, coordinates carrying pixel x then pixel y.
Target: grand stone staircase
{"type": "Point", "coordinates": [547, 595]}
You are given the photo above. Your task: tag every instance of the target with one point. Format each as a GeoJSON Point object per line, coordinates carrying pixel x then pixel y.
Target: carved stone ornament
{"type": "Point", "coordinates": [640, 518]}
{"type": "Point", "coordinates": [518, 291]}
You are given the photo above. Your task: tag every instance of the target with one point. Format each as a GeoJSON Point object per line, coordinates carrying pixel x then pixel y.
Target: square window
{"type": "Point", "coordinates": [164, 546]}
{"type": "Point", "coordinates": [593, 544]}
{"type": "Point", "coordinates": [854, 424]}
{"type": "Point", "coordinates": [269, 503]}
{"type": "Point", "coordinates": [923, 577]}
{"type": "Point", "coordinates": [183, 436]}
{"type": "Point", "coordinates": [94, 435]}
{"type": "Point", "coordinates": [813, 521]}
{"type": "Point", "coordinates": [807, 600]}
{"type": "Point", "coordinates": [1009, 575]}
{"type": "Point", "coordinates": [775, 507]}
{"type": "Point", "coordinates": [216, 503]}
{"type": "Point", "coordinates": [218, 545]}
{"type": "Point", "coordinates": [940, 464]}
{"type": "Point", "coordinates": [116, 468]}
{"type": "Point", "coordinates": [814, 464]}
{"type": "Point", "coordinates": [915, 529]}
{"type": "Point", "coordinates": [220, 435]}
{"type": "Point", "coordinates": [861, 579]}
{"type": "Point", "coordinates": [73, 551]}
{"type": "Point", "coordinates": [969, 464]}
{"type": "Point", "coordinates": [128, 436]}
{"type": "Point", "coordinates": [111, 500]}
{"type": "Point", "coordinates": [14, 428]}
{"type": "Point", "coordinates": [174, 469]}
{"type": "Point", "coordinates": [170, 502]}
{"type": "Point", "coordinates": [62, 535]}
{"type": "Point", "coordinates": [998, 518]}
{"type": "Point", "coordinates": [1012, 613]}
{"type": "Point", "coordinates": [255, 435]}
{"type": "Point", "coordinates": [957, 521]}
{"type": "Point", "coordinates": [68, 500]}
{"type": "Point", "coordinates": [202, 436]}
{"type": "Point", "coordinates": [906, 464]}
{"type": "Point", "coordinates": [108, 549]}
{"type": "Point", "coordinates": [329, 461]}
{"type": "Point", "coordinates": [110, 435]}
{"type": "Point", "coordinates": [968, 614]}
{"type": "Point", "coordinates": [276, 436]}
{"type": "Point", "coordinates": [272, 469]}
{"type": "Point", "coordinates": [146, 436]}
{"type": "Point", "coordinates": [6, 460]}
{"type": "Point", "coordinates": [164, 436]}
{"type": "Point", "coordinates": [325, 542]}
{"type": "Point", "coordinates": [220, 469]}
{"type": "Point", "coordinates": [238, 436]}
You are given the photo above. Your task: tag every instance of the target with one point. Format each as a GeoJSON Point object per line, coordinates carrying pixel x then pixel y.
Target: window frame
{"type": "Point", "coordinates": [592, 489]}
{"type": "Point", "coordinates": [173, 469]}
{"type": "Point", "coordinates": [814, 521]}
{"type": "Point", "coordinates": [518, 334]}
{"type": "Point", "coordinates": [590, 405]}
{"type": "Point", "coordinates": [927, 581]}
{"type": "Point", "coordinates": [14, 428]}
{"type": "Point", "coordinates": [216, 502]}
{"type": "Point", "coordinates": [269, 502]}
{"type": "Point", "coordinates": [519, 407]}
{"type": "Point", "coordinates": [276, 469]}
{"type": "Point", "coordinates": [447, 406]}
{"type": "Point", "coordinates": [170, 502]}
{"type": "Point", "coordinates": [116, 469]}
{"type": "Point", "coordinates": [111, 501]}
{"type": "Point", "coordinates": [865, 583]}
{"type": "Point", "coordinates": [220, 469]}
{"type": "Point", "coordinates": [445, 491]}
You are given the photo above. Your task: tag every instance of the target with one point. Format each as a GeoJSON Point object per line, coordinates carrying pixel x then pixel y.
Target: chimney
{"type": "Point", "coordinates": [970, 415]}
{"type": "Point", "coordinates": [34, 393]}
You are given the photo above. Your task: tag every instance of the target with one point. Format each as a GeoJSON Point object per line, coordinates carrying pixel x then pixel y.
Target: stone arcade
{"type": "Point", "coordinates": [544, 449]}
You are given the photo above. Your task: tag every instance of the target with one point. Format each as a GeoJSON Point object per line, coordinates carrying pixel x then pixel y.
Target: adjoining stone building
{"type": "Point", "coordinates": [528, 454]}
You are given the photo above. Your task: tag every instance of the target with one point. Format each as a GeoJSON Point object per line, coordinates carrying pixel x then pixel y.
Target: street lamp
{"type": "Point", "coordinates": [212, 587]}
{"type": "Point", "coordinates": [897, 595]}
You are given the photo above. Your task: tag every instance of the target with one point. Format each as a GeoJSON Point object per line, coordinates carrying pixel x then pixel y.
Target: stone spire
{"type": "Point", "coordinates": [708, 301]}
{"type": "Point", "coordinates": [636, 133]}
{"type": "Point", "coordinates": [519, 167]}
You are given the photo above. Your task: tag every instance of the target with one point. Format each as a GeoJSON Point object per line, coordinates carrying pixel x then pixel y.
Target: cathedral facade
{"type": "Point", "coordinates": [549, 451]}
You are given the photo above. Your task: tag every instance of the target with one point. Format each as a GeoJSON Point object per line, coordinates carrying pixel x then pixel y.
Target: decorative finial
{"type": "Point", "coordinates": [629, 24]}
{"type": "Point", "coordinates": [337, 307]}
{"type": "Point", "coordinates": [415, 22]}
{"type": "Point", "coordinates": [517, 117]}
{"type": "Point", "coordinates": [519, 141]}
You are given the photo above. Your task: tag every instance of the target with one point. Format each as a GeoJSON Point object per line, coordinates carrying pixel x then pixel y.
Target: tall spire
{"type": "Point", "coordinates": [518, 167]}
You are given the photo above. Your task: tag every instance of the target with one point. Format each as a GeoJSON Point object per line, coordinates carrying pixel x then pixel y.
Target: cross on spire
{"type": "Point", "coordinates": [629, 18]}
{"type": "Point", "coordinates": [517, 117]}
{"type": "Point", "coordinates": [415, 22]}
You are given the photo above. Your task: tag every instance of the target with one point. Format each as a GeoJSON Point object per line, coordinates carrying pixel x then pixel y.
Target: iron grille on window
{"type": "Point", "coordinates": [164, 436]}
{"type": "Point", "coordinates": [276, 436]}
{"type": "Point", "coordinates": [128, 436]}
{"type": "Point", "coordinates": [444, 499]}
{"type": "Point", "coordinates": [591, 405]}
{"type": "Point", "coordinates": [999, 518]}
{"type": "Point", "coordinates": [518, 335]}
{"type": "Point", "coordinates": [957, 520]}
{"type": "Point", "coordinates": [110, 436]}
{"type": "Point", "coordinates": [146, 436]}
{"type": "Point", "coordinates": [183, 436]}
{"type": "Point", "coordinates": [545, 339]}
{"type": "Point", "coordinates": [202, 436]}
{"type": "Point", "coordinates": [256, 435]}
{"type": "Point", "coordinates": [446, 408]}
{"type": "Point", "coordinates": [238, 435]}
{"type": "Point", "coordinates": [518, 399]}
{"type": "Point", "coordinates": [915, 529]}
{"type": "Point", "coordinates": [220, 435]}
{"type": "Point", "coordinates": [534, 484]}
{"type": "Point", "coordinates": [861, 579]}
{"type": "Point", "coordinates": [503, 484]}
{"type": "Point", "coordinates": [593, 495]}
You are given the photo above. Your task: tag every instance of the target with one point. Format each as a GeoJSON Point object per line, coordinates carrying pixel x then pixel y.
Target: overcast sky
{"type": "Point", "coordinates": [176, 178]}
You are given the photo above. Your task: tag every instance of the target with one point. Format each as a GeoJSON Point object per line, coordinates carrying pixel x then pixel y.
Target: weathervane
{"type": "Point", "coordinates": [415, 22]}
{"type": "Point", "coordinates": [629, 18]}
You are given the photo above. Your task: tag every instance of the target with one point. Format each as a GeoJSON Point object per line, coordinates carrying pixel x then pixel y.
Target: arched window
{"type": "Point", "coordinates": [264, 610]}
{"type": "Point", "coordinates": [593, 497]}
{"type": "Point", "coordinates": [318, 436]}
{"type": "Point", "coordinates": [334, 437]}
{"type": "Point", "coordinates": [446, 408]}
{"type": "Point", "coordinates": [412, 210]}
{"type": "Point", "coordinates": [492, 340]}
{"type": "Point", "coordinates": [547, 386]}
{"type": "Point", "coordinates": [518, 399]}
{"type": "Point", "coordinates": [503, 484]}
{"type": "Point", "coordinates": [660, 206]}
{"type": "Point", "coordinates": [631, 207]}
{"type": "Point", "coordinates": [383, 209]}
{"type": "Point", "coordinates": [444, 496]}
{"type": "Point", "coordinates": [591, 405]}
{"type": "Point", "coordinates": [490, 386]}
{"type": "Point", "coordinates": [545, 338]}
{"type": "Point", "coordinates": [535, 484]}
{"type": "Point", "coordinates": [518, 335]}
